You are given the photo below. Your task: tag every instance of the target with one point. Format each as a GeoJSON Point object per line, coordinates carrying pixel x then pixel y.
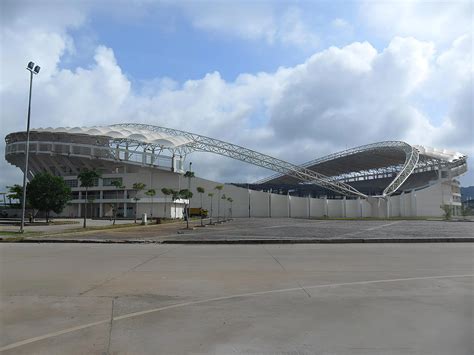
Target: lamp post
{"type": "Point", "coordinates": [33, 70]}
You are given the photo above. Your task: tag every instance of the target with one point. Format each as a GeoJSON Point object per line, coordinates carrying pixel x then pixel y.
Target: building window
{"type": "Point", "coordinates": [108, 181]}
{"type": "Point", "coordinates": [71, 183]}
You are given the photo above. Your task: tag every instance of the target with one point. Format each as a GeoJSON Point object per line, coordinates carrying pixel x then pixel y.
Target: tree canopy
{"type": "Point", "coordinates": [47, 193]}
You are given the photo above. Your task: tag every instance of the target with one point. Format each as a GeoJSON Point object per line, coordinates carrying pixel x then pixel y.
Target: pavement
{"type": "Point", "coordinates": [237, 299]}
{"type": "Point", "coordinates": [278, 230]}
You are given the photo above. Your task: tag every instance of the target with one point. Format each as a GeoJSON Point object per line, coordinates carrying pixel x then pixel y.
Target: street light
{"type": "Point", "coordinates": [33, 70]}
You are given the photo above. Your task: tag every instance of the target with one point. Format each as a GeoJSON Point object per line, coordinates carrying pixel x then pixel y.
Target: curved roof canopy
{"type": "Point", "coordinates": [129, 133]}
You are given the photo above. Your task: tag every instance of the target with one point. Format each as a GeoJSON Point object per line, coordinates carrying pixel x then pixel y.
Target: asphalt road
{"type": "Point", "coordinates": [237, 299]}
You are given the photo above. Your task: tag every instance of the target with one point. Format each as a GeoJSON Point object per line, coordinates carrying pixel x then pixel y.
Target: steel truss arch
{"type": "Point", "coordinates": [405, 170]}
{"type": "Point", "coordinates": [211, 145]}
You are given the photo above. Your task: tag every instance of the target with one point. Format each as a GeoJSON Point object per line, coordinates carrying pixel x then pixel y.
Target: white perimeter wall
{"type": "Point", "coordinates": [246, 203]}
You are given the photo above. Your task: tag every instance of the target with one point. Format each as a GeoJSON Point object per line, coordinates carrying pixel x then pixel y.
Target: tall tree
{"type": "Point", "coordinates": [151, 193]}
{"type": "Point", "coordinates": [165, 191]}
{"type": "Point", "coordinates": [211, 196]}
{"type": "Point", "coordinates": [15, 192]}
{"type": "Point", "coordinates": [201, 190]}
{"type": "Point", "coordinates": [47, 193]}
{"type": "Point", "coordinates": [137, 187]}
{"type": "Point", "coordinates": [185, 194]}
{"type": "Point", "coordinates": [189, 174]}
{"type": "Point", "coordinates": [118, 186]}
{"type": "Point", "coordinates": [230, 200]}
{"type": "Point", "coordinates": [87, 178]}
{"type": "Point", "coordinates": [219, 189]}
{"type": "Point", "coordinates": [224, 198]}
{"type": "Point", "coordinates": [174, 197]}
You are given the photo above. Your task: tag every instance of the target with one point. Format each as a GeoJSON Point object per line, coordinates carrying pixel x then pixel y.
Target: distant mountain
{"type": "Point", "coordinates": [467, 193]}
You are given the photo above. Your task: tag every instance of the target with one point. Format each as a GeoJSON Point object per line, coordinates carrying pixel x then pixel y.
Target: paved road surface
{"type": "Point", "coordinates": [237, 299]}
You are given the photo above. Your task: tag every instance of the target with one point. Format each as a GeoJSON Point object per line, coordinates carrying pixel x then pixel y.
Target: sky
{"type": "Point", "coordinates": [293, 79]}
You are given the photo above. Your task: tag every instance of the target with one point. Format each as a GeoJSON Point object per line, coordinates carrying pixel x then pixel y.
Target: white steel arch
{"type": "Point", "coordinates": [207, 144]}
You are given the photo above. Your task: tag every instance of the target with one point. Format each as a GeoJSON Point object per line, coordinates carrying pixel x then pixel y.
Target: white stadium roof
{"type": "Point", "coordinates": [128, 133]}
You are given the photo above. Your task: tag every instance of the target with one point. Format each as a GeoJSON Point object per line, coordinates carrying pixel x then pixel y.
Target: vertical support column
{"type": "Point", "coordinates": [125, 209]}
{"type": "Point", "coordinates": [388, 201]}
{"type": "Point", "coordinates": [249, 202]}
{"type": "Point", "coordinates": [413, 203]}
{"type": "Point", "coordinates": [359, 202]}
{"type": "Point", "coordinates": [270, 205]}
{"type": "Point", "coordinates": [326, 206]}
{"type": "Point", "coordinates": [402, 204]}
{"type": "Point", "coordinates": [289, 205]}
{"type": "Point", "coordinates": [344, 207]}
{"type": "Point", "coordinates": [309, 206]}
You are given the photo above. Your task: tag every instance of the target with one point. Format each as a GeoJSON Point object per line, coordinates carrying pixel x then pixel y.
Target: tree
{"type": "Point", "coordinates": [47, 193]}
{"type": "Point", "coordinates": [219, 189]}
{"type": "Point", "coordinates": [201, 190]}
{"type": "Point", "coordinates": [118, 186]}
{"type": "Point", "coordinates": [15, 192]}
{"type": "Point", "coordinates": [186, 195]}
{"type": "Point", "coordinates": [211, 195]}
{"type": "Point", "coordinates": [465, 210]}
{"type": "Point", "coordinates": [224, 198]}
{"type": "Point", "coordinates": [87, 178]}
{"type": "Point", "coordinates": [151, 193]}
{"type": "Point", "coordinates": [165, 191]}
{"type": "Point", "coordinates": [174, 197]}
{"type": "Point", "coordinates": [230, 200]}
{"type": "Point", "coordinates": [137, 187]}
{"type": "Point", "coordinates": [447, 211]}
{"type": "Point", "coordinates": [189, 174]}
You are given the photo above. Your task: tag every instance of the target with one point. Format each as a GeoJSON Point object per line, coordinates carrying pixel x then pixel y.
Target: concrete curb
{"type": "Point", "coordinates": [250, 241]}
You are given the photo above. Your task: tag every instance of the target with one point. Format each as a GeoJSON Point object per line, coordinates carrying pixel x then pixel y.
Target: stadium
{"type": "Point", "coordinates": [385, 179]}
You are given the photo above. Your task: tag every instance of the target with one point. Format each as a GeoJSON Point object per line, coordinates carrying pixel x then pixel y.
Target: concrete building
{"type": "Point", "coordinates": [385, 179]}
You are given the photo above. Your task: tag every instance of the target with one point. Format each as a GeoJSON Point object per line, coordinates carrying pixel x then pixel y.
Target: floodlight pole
{"type": "Point", "coordinates": [27, 148]}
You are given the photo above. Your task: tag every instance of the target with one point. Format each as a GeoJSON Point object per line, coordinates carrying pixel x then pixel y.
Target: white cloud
{"type": "Point", "coordinates": [440, 21]}
{"type": "Point", "coordinates": [337, 98]}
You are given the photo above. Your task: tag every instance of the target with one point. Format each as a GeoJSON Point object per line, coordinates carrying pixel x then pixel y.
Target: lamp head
{"type": "Point", "coordinates": [37, 69]}
{"type": "Point", "coordinates": [31, 65]}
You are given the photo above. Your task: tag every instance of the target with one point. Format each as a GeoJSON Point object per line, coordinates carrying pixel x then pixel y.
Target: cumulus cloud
{"type": "Point", "coordinates": [336, 99]}
{"type": "Point", "coordinates": [442, 21]}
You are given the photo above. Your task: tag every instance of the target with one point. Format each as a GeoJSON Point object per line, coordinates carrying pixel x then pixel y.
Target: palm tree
{"type": "Point", "coordinates": [201, 190]}
{"type": "Point", "coordinates": [219, 189]}
{"type": "Point", "coordinates": [118, 185]}
{"type": "Point", "coordinates": [230, 200]}
{"type": "Point", "coordinates": [174, 196]}
{"type": "Point", "coordinates": [87, 178]}
{"type": "Point", "coordinates": [224, 198]}
{"type": "Point", "coordinates": [189, 174]}
{"type": "Point", "coordinates": [211, 195]}
{"type": "Point", "coordinates": [138, 186]}
{"type": "Point", "coordinates": [186, 195]}
{"type": "Point", "coordinates": [151, 193]}
{"type": "Point", "coordinates": [165, 191]}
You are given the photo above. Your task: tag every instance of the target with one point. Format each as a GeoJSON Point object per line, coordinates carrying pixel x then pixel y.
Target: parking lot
{"type": "Point", "coordinates": [237, 299]}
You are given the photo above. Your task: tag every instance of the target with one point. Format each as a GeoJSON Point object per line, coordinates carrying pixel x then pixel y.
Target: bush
{"type": "Point", "coordinates": [447, 211]}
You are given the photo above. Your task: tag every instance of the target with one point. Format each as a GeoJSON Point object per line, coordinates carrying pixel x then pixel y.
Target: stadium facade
{"type": "Point", "coordinates": [385, 179]}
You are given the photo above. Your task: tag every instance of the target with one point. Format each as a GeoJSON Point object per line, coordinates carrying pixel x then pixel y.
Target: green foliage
{"type": "Point", "coordinates": [138, 186]}
{"type": "Point", "coordinates": [224, 197]}
{"type": "Point", "coordinates": [165, 191]}
{"type": "Point", "coordinates": [200, 189]}
{"type": "Point", "coordinates": [88, 177]}
{"type": "Point", "coordinates": [447, 211]}
{"type": "Point", "coordinates": [210, 194]}
{"type": "Point", "coordinates": [15, 192]}
{"type": "Point", "coordinates": [230, 199]}
{"type": "Point", "coordinates": [151, 192]}
{"type": "Point", "coordinates": [219, 187]}
{"type": "Point", "coordinates": [48, 193]}
{"type": "Point", "coordinates": [117, 184]}
{"type": "Point", "coordinates": [174, 194]}
{"type": "Point", "coordinates": [189, 174]}
{"type": "Point", "coordinates": [185, 194]}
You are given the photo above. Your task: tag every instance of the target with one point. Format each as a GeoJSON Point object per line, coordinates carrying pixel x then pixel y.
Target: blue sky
{"type": "Point", "coordinates": [294, 79]}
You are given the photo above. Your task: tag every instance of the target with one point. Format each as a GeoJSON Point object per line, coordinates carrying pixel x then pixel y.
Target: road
{"type": "Point", "coordinates": [237, 299]}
